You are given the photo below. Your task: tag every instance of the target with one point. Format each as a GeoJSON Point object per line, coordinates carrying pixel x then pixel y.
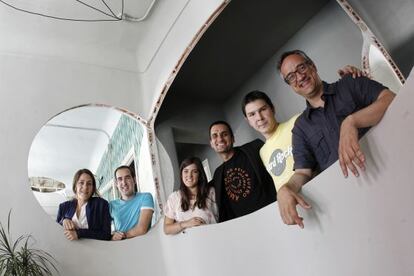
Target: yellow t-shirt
{"type": "Point", "coordinates": [276, 153]}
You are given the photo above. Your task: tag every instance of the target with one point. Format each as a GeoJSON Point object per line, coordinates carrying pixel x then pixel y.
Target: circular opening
{"type": "Point", "coordinates": [97, 138]}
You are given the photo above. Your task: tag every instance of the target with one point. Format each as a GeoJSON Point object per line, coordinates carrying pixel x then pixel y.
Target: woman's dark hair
{"type": "Point", "coordinates": [78, 175]}
{"type": "Point", "coordinates": [202, 185]}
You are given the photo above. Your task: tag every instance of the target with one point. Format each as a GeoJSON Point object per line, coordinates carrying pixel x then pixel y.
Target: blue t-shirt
{"type": "Point", "coordinates": [125, 214]}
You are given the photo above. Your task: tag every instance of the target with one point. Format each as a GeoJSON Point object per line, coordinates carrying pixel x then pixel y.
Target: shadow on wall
{"type": "Point", "coordinates": [404, 56]}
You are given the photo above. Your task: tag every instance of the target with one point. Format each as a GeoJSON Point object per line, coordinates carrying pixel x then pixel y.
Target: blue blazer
{"type": "Point", "coordinates": [97, 214]}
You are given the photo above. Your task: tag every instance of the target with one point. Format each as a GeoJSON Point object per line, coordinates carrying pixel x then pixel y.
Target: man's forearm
{"type": "Point", "coordinates": [142, 226]}
{"type": "Point", "coordinates": [297, 180]}
{"type": "Point", "coordinates": [372, 114]}
{"type": "Point", "coordinates": [136, 231]}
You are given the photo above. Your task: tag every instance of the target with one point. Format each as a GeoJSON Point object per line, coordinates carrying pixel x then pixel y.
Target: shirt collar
{"type": "Point", "coordinates": [328, 89]}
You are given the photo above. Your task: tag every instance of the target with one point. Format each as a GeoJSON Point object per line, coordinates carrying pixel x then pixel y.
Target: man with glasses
{"type": "Point", "coordinates": [336, 116]}
{"type": "Point", "coordinates": [276, 153]}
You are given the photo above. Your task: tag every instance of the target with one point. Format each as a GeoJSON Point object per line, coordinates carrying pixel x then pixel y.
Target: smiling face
{"type": "Point", "coordinates": [221, 139]}
{"type": "Point", "coordinates": [190, 176]}
{"type": "Point", "coordinates": [125, 183]}
{"type": "Point", "coordinates": [305, 80]}
{"type": "Point", "coordinates": [84, 187]}
{"type": "Point", "coordinates": [261, 117]}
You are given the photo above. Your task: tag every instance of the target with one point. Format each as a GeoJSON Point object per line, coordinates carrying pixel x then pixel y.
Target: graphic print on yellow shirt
{"type": "Point", "coordinates": [276, 153]}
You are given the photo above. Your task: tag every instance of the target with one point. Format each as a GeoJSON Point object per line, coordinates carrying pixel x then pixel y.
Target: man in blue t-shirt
{"type": "Point", "coordinates": [132, 213]}
{"type": "Point", "coordinates": [336, 116]}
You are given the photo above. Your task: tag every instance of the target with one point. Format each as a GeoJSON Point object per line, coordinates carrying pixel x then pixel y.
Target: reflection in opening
{"type": "Point", "coordinates": [45, 184]}
{"type": "Point", "coordinates": [94, 137]}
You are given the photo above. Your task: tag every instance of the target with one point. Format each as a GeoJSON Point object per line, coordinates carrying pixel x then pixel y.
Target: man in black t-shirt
{"type": "Point", "coordinates": [242, 183]}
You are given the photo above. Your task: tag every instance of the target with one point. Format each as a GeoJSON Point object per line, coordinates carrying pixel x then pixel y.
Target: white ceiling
{"type": "Point", "coordinates": [58, 152]}
{"type": "Point", "coordinates": [124, 45]}
{"type": "Point", "coordinates": [72, 9]}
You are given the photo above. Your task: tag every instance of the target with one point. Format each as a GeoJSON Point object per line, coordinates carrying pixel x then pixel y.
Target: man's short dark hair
{"type": "Point", "coordinates": [253, 96]}
{"type": "Point", "coordinates": [220, 123]}
{"type": "Point", "coordinates": [294, 52]}
{"type": "Point", "coordinates": [124, 167]}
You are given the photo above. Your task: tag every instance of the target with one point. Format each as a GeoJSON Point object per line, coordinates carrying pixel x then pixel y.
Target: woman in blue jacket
{"type": "Point", "coordinates": [85, 216]}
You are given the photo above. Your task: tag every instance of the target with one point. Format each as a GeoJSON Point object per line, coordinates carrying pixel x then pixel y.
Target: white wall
{"type": "Point", "coordinates": [34, 90]}
{"type": "Point", "coordinates": [35, 86]}
{"type": "Point", "coordinates": [372, 238]}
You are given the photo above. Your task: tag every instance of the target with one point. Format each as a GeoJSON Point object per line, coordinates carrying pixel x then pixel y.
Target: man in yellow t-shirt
{"type": "Point", "coordinates": [276, 153]}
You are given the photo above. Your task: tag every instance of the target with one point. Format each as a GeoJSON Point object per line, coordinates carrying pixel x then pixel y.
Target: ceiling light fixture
{"type": "Point", "coordinates": [109, 14]}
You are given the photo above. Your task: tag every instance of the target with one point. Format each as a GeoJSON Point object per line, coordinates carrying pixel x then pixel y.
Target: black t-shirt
{"type": "Point", "coordinates": [241, 192]}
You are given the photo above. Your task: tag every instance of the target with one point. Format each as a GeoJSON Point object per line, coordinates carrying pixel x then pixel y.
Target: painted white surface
{"type": "Point", "coordinates": [42, 74]}
{"type": "Point", "coordinates": [382, 71]}
{"type": "Point", "coordinates": [35, 90]}
{"type": "Point", "coordinates": [359, 227]}
{"type": "Point", "coordinates": [123, 45]}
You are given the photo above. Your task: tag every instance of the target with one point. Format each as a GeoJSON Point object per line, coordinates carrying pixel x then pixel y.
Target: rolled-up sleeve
{"type": "Point", "coordinates": [363, 90]}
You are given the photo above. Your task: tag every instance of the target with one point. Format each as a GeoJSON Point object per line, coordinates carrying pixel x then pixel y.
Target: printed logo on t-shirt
{"type": "Point", "coordinates": [277, 161]}
{"type": "Point", "coordinates": [237, 183]}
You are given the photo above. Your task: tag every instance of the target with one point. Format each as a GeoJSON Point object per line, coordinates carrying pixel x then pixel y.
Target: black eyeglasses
{"type": "Point", "coordinates": [301, 68]}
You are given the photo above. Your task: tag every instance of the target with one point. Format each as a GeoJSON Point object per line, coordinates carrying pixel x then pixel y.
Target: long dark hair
{"type": "Point", "coordinates": [202, 185]}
